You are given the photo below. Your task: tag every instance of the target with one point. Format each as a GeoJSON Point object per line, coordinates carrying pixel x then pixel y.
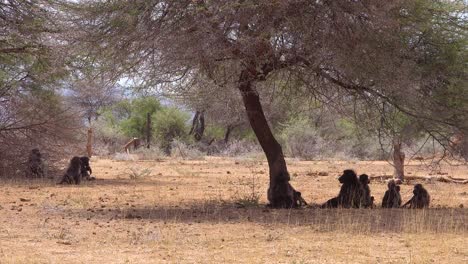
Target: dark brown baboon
{"type": "Point", "coordinates": [420, 199]}
{"type": "Point", "coordinates": [292, 199]}
{"type": "Point", "coordinates": [86, 170]}
{"type": "Point", "coordinates": [73, 173]}
{"type": "Point", "coordinates": [392, 198]}
{"type": "Point", "coordinates": [36, 168]}
{"type": "Point", "coordinates": [367, 201]}
{"type": "Point", "coordinates": [299, 200]}
{"type": "Point", "coordinates": [350, 193]}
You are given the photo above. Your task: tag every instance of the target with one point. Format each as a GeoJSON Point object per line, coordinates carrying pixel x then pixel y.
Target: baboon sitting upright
{"type": "Point", "coordinates": [36, 168]}
{"type": "Point", "coordinates": [73, 173]}
{"type": "Point", "coordinates": [86, 170]}
{"type": "Point", "coordinates": [350, 193]}
{"type": "Point", "coordinates": [366, 199]}
{"type": "Point", "coordinates": [290, 199]}
{"type": "Point", "coordinates": [420, 199]}
{"type": "Point", "coordinates": [392, 198]}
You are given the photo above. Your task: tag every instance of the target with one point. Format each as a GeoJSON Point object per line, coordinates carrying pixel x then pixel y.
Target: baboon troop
{"type": "Point", "coordinates": [355, 193]}
{"type": "Point", "coordinates": [392, 198]}
{"type": "Point", "coordinates": [36, 167]}
{"type": "Point", "coordinates": [420, 199]}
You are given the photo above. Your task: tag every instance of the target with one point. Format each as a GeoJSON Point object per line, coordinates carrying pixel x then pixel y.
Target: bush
{"type": "Point", "coordinates": [153, 153]}
{"type": "Point", "coordinates": [179, 149]}
{"type": "Point", "coordinates": [135, 124]}
{"type": "Point", "coordinates": [237, 148]}
{"type": "Point", "coordinates": [300, 139]}
{"type": "Point", "coordinates": [169, 124]}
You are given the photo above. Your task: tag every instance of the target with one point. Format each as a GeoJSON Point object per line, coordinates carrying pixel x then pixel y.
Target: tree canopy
{"type": "Point", "coordinates": [349, 52]}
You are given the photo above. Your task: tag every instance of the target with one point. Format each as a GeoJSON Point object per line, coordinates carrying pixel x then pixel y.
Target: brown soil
{"type": "Point", "coordinates": [205, 211]}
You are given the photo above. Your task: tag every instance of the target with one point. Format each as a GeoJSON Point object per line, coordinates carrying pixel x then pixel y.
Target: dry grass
{"type": "Point", "coordinates": [212, 211]}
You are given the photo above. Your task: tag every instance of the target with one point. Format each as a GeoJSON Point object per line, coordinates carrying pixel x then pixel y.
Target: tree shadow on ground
{"type": "Point", "coordinates": [115, 182]}
{"type": "Point", "coordinates": [447, 220]}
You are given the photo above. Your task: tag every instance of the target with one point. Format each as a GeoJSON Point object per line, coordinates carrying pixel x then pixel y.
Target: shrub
{"type": "Point", "coordinates": [179, 149]}
{"type": "Point", "coordinates": [169, 124]}
{"type": "Point", "coordinates": [135, 124]}
{"type": "Point", "coordinates": [153, 153]}
{"type": "Point", "coordinates": [301, 139]}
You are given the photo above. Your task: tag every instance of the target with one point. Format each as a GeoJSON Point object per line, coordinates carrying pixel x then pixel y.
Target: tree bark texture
{"type": "Point", "coordinates": [89, 143]}
{"type": "Point", "coordinates": [398, 160]}
{"type": "Point", "coordinates": [280, 193]}
{"type": "Point", "coordinates": [148, 130]}
{"type": "Point", "coordinates": [198, 125]}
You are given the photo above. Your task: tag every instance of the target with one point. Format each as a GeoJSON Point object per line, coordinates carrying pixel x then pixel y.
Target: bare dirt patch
{"type": "Point", "coordinates": [212, 211]}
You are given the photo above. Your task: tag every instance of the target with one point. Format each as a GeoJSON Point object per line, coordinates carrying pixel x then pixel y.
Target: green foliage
{"type": "Point", "coordinates": [134, 124]}
{"type": "Point", "coordinates": [214, 131]}
{"type": "Point", "coordinates": [168, 124]}
{"type": "Point", "coordinates": [347, 128]}
{"type": "Point", "coordinates": [436, 31]}
{"type": "Point", "coordinates": [128, 119]}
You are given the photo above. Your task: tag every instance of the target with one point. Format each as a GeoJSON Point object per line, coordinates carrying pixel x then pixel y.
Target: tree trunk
{"type": "Point", "coordinates": [194, 122]}
{"type": "Point", "coordinates": [148, 130]}
{"type": "Point", "coordinates": [398, 160]}
{"type": "Point", "coordinates": [198, 125]}
{"type": "Point", "coordinates": [89, 143]}
{"type": "Point", "coordinates": [228, 133]}
{"type": "Point", "coordinates": [201, 128]}
{"type": "Point", "coordinates": [280, 192]}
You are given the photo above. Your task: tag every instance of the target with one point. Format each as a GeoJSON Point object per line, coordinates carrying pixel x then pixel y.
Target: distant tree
{"type": "Point", "coordinates": [91, 94]}
{"type": "Point", "coordinates": [129, 115]}
{"type": "Point", "coordinates": [339, 50]}
{"type": "Point", "coordinates": [168, 124]}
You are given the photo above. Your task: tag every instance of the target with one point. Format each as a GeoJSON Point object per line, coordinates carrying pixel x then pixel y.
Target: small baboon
{"type": "Point", "coordinates": [73, 173]}
{"type": "Point", "coordinates": [350, 193]}
{"type": "Point", "coordinates": [392, 198]}
{"type": "Point", "coordinates": [288, 198]}
{"type": "Point", "coordinates": [36, 164]}
{"type": "Point", "coordinates": [298, 199]}
{"type": "Point", "coordinates": [367, 201]}
{"type": "Point", "coordinates": [420, 199]}
{"type": "Point", "coordinates": [86, 170]}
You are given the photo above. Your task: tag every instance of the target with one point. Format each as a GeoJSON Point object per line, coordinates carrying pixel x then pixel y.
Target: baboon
{"type": "Point", "coordinates": [392, 198]}
{"type": "Point", "coordinates": [298, 199]}
{"type": "Point", "coordinates": [350, 193]}
{"type": "Point", "coordinates": [420, 199]}
{"type": "Point", "coordinates": [36, 164]}
{"type": "Point", "coordinates": [73, 173]}
{"type": "Point", "coordinates": [366, 199]}
{"type": "Point", "coordinates": [86, 169]}
{"type": "Point", "coordinates": [291, 198]}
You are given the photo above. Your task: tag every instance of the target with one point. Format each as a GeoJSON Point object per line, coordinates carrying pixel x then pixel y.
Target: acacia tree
{"type": "Point", "coordinates": [32, 64]}
{"type": "Point", "coordinates": [340, 49]}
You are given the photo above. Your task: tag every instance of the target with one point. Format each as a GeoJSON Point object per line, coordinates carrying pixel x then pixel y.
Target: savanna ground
{"type": "Point", "coordinates": [204, 211]}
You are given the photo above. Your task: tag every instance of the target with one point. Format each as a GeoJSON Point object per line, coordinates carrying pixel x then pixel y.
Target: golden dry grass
{"type": "Point", "coordinates": [176, 211]}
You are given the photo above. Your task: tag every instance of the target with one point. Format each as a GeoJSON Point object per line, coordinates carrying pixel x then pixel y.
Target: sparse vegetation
{"type": "Point", "coordinates": [207, 122]}
{"type": "Point", "coordinates": [138, 173]}
{"type": "Point", "coordinates": [247, 188]}
{"type": "Point", "coordinates": [218, 203]}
